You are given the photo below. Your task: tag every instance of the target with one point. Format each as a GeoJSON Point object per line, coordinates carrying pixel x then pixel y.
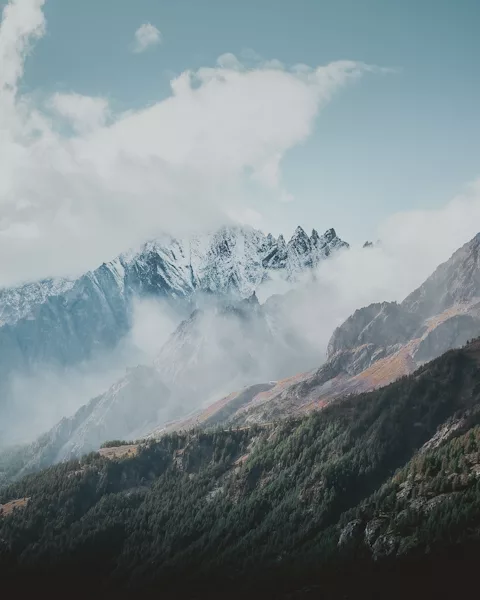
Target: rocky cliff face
{"type": "Point", "coordinates": [454, 282]}
{"type": "Point", "coordinates": [442, 313]}
{"type": "Point", "coordinates": [382, 324]}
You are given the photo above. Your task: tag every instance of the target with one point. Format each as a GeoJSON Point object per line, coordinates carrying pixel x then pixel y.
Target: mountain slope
{"type": "Point", "coordinates": [127, 410]}
{"type": "Point", "coordinates": [222, 347]}
{"type": "Point", "coordinates": [443, 313]}
{"type": "Point", "coordinates": [372, 479]}
{"type": "Point", "coordinates": [455, 282]}
{"type": "Point", "coordinates": [227, 345]}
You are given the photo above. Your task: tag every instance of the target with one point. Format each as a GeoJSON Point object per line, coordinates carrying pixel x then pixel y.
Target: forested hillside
{"type": "Point", "coordinates": [362, 487]}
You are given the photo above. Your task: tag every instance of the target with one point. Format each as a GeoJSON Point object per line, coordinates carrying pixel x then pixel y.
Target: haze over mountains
{"type": "Point", "coordinates": [376, 345]}
{"type": "Point", "coordinates": [59, 324]}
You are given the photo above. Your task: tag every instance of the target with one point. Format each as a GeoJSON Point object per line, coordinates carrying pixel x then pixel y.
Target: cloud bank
{"type": "Point", "coordinates": [72, 170]}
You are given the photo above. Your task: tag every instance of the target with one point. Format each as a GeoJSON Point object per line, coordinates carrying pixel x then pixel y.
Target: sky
{"type": "Point", "coordinates": [121, 118]}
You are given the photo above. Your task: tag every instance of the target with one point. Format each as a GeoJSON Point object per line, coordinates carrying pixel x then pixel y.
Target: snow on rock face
{"type": "Point", "coordinates": [230, 260]}
{"type": "Point", "coordinates": [301, 252]}
{"type": "Point", "coordinates": [233, 258]}
{"type": "Point", "coordinates": [233, 262]}
{"type": "Point", "coordinates": [17, 303]}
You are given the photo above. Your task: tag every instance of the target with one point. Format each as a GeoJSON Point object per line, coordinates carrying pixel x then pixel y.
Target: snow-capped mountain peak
{"type": "Point", "coordinates": [233, 259]}
{"type": "Point", "coordinates": [17, 303]}
{"type": "Point", "coordinates": [65, 322]}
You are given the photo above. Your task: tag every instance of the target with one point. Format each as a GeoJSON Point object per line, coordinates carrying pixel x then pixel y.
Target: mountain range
{"type": "Point", "coordinates": [64, 322]}
{"type": "Point", "coordinates": [236, 362]}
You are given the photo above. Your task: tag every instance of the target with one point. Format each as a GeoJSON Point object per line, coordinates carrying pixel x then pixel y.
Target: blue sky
{"type": "Point", "coordinates": [389, 142]}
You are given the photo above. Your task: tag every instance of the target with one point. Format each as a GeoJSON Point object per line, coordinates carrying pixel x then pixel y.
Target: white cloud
{"type": "Point", "coordinates": [182, 163]}
{"type": "Point", "coordinates": [146, 36]}
{"type": "Point", "coordinates": [427, 237]}
{"type": "Point", "coordinates": [229, 61]}
{"type": "Point", "coordinates": [84, 113]}
{"type": "Point", "coordinates": [22, 23]}
{"type": "Point", "coordinates": [412, 245]}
